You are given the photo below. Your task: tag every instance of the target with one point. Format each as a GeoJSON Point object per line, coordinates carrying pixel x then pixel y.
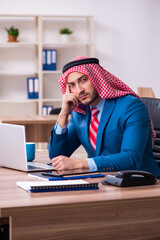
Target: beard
{"type": "Point", "coordinates": [90, 97]}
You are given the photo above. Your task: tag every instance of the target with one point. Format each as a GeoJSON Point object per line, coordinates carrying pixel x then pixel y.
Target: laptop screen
{"type": "Point", "coordinates": [13, 146]}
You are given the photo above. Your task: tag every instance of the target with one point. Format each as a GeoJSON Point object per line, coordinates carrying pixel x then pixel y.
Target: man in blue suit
{"type": "Point", "coordinates": [124, 137]}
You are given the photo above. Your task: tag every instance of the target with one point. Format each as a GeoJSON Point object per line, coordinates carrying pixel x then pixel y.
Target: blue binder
{"type": "Point", "coordinates": [49, 59]}
{"type": "Point", "coordinates": [33, 88]}
{"type": "Point", "coordinates": [46, 109]}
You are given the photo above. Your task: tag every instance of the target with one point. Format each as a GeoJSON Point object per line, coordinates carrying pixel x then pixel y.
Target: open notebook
{"type": "Point", "coordinates": [13, 149]}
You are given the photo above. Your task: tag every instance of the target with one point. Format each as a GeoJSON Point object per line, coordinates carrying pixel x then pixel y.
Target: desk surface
{"type": "Point", "coordinates": [12, 196]}
{"type": "Point", "coordinates": [29, 119]}
{"type": "Point", "coordinates": [93, 212]}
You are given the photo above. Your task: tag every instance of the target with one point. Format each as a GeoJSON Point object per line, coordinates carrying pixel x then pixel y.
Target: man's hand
{"type": "Point", "coordinates": [69, 102]}
{"type": "Point", "coordinates": [62, 163]}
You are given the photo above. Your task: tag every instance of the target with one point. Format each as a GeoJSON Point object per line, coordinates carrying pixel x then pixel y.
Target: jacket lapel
{"type": "Point", "coordinates": [108, 108]}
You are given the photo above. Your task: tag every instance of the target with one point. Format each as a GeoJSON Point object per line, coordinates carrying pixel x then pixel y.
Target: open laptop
{"type": "Point", "coordinates": [13, 149]}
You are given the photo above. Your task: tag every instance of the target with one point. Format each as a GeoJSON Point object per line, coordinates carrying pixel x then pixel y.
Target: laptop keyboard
{"type": "Point", "coordinates": [33, 167]}
{"type": "Point", "coordinates": [38, 166]}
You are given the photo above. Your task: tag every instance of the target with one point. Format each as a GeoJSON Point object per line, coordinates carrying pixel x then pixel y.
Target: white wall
{"type": "Point", "coordinates": [127, 33]}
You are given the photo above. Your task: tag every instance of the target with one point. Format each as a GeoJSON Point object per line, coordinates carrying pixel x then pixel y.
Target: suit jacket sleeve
{"type": "Point", "coordinates": [63, 144]}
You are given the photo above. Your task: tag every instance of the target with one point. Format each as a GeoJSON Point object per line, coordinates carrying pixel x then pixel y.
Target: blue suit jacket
{"type": "Point", "coordinates": [123, 138]}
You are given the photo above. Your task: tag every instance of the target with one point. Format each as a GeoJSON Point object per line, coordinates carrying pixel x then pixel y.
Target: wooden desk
{"type": "Point", "coordinates": [107, 213]}
{"type": "Point", "coordinates": [38, 128]}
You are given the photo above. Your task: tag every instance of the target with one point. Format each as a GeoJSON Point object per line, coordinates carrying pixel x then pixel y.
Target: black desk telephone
{"type": "Point", "coordinates": [130, 178]}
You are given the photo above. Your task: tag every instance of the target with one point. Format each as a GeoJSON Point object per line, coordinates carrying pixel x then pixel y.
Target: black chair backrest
{"type": "Point", "coordinates": [55, 111]}
{"type": "Point", "coordinates": [153, 106]}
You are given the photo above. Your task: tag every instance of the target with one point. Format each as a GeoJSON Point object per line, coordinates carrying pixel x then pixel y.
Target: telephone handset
{"type": "Point", "coordinates": [130, 173]}
{"type": "Point", "coordinates": [130, 178]}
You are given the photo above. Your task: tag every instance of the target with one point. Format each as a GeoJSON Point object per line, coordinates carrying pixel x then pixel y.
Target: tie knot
{"type": "Point", "coordinates": [95, 111]}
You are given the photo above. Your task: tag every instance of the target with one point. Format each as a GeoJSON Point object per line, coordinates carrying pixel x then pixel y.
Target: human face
{"type": "Point", "coordinates": [80, 85]}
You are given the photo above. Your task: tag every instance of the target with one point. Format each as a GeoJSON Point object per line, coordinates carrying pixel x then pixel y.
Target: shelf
{"type": "Point", "coordinates": [19, 100]}
{"type": "Point", "coordinates": [27, 73]}
{"type": "Point", "coordinates": [52, 72]}
{"type": "Point", "coordinates": [51, 100]}
{"type": "Point", "coordinates": [64, 45]}
{"type": "Point", "coordinates": [17, 44]}
{"type": "Point", "coordinates": [24, 59]}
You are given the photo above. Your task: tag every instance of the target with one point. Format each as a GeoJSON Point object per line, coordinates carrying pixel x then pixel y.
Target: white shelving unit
{"type": "Point", "coordinates": [24, 58]}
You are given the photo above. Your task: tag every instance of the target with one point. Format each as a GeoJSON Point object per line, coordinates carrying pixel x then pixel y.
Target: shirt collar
{"type": "Point", "coordinates": [99, 106]}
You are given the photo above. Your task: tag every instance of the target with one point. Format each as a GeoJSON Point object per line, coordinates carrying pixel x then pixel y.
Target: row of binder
{"type": "Point", "coordinates": [50, 59]}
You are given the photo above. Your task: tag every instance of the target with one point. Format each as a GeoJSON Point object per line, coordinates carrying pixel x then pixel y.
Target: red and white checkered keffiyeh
{"type": "Point", "coordinates": [107, 85]}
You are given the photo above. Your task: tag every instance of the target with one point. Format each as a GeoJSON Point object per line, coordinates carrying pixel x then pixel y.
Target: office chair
{"type": "Point", "coordinates": [55, 111]}
{"type": "Point", "coordinates": [153, 106]}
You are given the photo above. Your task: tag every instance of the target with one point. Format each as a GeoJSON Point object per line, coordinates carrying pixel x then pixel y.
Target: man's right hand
{"type": "Point", "coordinates": [69, 102]}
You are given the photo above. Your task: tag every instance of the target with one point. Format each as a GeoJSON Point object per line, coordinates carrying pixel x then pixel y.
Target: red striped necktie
{"type": "Point", "coordinates": [93, 128]}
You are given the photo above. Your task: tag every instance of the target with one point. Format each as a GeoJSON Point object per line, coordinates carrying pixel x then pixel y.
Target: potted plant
{"type": "Point", "coordinates": [65, 34]}
{"type": "Point", "coordinates": [12, 34]}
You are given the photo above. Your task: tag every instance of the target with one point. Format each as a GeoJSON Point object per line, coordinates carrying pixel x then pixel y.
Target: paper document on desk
{"type": "Point", "coordinates": [34, 186]}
